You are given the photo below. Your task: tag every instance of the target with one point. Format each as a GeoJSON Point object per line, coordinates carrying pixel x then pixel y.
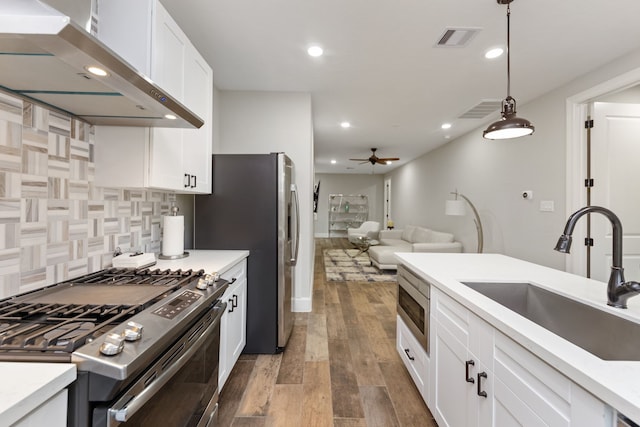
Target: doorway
{"type": "Point", "coordinates": [578, 108]}
{"type": "Point", "coordinates": [387, 204]}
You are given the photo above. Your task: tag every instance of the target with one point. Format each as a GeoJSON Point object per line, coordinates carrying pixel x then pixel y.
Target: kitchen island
{"type": "Point", "coordinates": [616, 383]}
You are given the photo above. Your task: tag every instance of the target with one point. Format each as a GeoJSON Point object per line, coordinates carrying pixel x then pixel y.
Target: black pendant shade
{"type": "Point", "coordinates": [510, 125]}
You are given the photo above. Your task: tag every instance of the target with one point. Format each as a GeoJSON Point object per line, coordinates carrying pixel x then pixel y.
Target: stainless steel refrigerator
{"type": "Point", "coordinates": [254, 206]}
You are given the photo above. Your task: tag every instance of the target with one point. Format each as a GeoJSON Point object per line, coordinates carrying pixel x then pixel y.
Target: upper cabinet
{"type": "Point", "coordinates": [146, 36]}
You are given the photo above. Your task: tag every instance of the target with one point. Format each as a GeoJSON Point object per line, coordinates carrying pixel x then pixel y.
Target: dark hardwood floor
{"type": "Point", "coordinates": [340, 367]}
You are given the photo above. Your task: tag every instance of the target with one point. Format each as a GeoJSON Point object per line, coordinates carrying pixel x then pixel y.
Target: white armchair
{"type": "Point", "coordinates": [368, 229]}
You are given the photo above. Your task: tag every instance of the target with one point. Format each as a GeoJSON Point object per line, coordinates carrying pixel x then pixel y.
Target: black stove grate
{"type": "Point", "coordinates": [32, 329]}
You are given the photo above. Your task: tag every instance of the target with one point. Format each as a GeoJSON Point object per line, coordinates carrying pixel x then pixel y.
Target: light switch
{"type": "Point", "coordinates": [546, 206]}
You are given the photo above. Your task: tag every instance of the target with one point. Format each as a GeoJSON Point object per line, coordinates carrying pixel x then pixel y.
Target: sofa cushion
{"type": "Point", "coordinates": [407, 233]}
{"type": "Point", "coordinates": [421, 235]}
{"type": "Point", "coordinates": [440, 237]}
{"type": "Point", "coordinates": [399, 244]}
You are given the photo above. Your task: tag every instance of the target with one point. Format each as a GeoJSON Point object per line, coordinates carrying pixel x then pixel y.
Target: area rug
{"type": "Point", "coordinates": [340, 266]}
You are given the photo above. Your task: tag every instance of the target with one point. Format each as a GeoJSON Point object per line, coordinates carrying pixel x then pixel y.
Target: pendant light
{"type": "Point", "coordinates": [510, 126]}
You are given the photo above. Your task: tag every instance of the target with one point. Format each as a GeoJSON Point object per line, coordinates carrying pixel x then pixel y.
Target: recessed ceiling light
{"type": "Point", "coordinates": [494, 53]}
{"type": "Point", "coordinates": [315, 51]}
{"type": "Point", "coordinates": [345, 125]}
{"type": "Point", "coordinates": [334, 161]}
{"type": "Point", "coordinates": [97, 71]}
{"type": "Point", "coordinates": [446, 126]}
{"type": "Point", "coordinates": [170, 116]}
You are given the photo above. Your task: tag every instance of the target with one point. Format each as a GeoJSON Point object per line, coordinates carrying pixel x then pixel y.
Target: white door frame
{"type": "Point", "coordinates": [576, 111]}
{"type": "Point", "coordinates": [386, 214]}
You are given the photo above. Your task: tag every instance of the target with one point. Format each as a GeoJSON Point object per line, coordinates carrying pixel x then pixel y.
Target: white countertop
{"type": "Point", "coordinates": [25, 386]}
{"type": "Point", "coordinates": [615, 382]}
{"type": "Point", "coordinates": [211, 261]}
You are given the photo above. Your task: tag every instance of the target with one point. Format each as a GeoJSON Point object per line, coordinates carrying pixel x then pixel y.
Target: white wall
{"type": "Point", "coordinates": [265, 122]}
{"type": "Point", "coordinates": [370, 185]}
{"type": "Point", "coordinates": [494, 173]}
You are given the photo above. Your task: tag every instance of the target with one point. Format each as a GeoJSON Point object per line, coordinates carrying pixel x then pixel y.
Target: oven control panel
{"type": "Point", "coordinates": [177, 305]}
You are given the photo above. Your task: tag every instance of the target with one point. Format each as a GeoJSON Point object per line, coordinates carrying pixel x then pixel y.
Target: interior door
{"type": "Point", "coordinates": [615, 159]}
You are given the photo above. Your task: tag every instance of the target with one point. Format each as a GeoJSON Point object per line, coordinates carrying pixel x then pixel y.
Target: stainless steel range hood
{"type": "Point", "coordinates": [45, 55]}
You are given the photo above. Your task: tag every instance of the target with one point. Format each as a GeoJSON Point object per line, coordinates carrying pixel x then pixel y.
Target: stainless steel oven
{"type": "Point", "coordinates": [179, 389]}
{"type": "Point", "coordinates": [145, 342]}
{"type": "Point", "coordinates": [413, 304]}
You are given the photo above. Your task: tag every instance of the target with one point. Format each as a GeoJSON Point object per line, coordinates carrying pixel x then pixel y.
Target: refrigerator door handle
{"type": "Point", "coordinates": [294, 250]}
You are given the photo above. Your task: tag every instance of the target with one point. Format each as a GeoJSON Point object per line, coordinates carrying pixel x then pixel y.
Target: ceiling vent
{"type": "Point", "coordinates": [483, 109]}
{"type": "Point", "coordinates": [457, 37]}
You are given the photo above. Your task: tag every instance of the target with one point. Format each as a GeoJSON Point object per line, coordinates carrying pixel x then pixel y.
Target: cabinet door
{"type": "Point", "coordinates": [462, 391]}
{"type": "Point", "coordinates": [133, 44]}
{"type": "Point", "coordinates": [169, 53]}
{"type": "Point", "coordinates": [197, 143]}
{"type": "Point", "coordinates": [233, 326]}
{"type": "Point", "coordinates": [238, 323]}
{"type": "Point", "coordinates": [166, 161]}
{"type": "Point", "coordinates": [510, 411]}
{"type": "Point", "coordinates": [452, 400]}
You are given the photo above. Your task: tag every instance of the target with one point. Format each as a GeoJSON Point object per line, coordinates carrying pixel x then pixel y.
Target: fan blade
{"type": "Point", "coordinates": [360, 160]}
{"type": "Point", "coordinates": [390, 159]}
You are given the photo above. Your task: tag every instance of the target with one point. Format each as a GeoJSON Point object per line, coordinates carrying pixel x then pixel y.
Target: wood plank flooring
{"type": "Point", "coordinates": [340, 367]}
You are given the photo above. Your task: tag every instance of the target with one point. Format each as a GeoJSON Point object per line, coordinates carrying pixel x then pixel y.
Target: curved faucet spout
{"type": "Point", "coordinates": [618, 291]}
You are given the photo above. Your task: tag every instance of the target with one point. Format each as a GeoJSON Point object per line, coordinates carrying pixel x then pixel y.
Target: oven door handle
{"type": "Point", "coordinates": [127, 406]}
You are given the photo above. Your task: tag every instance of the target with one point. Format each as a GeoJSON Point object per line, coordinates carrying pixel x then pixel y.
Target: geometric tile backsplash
{"type": "Point", "coordinates": [55, 224]}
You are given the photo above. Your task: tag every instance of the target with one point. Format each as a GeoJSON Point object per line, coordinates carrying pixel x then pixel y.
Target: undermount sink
{"type": "Point", "coordinates": [602, 334]}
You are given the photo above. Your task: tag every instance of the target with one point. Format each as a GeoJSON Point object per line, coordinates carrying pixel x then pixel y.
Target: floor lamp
{"type": "Point", "coordinates": [456, 207]}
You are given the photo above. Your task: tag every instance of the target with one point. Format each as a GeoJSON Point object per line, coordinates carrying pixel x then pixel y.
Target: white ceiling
{"type": "Point", "coordinates": [381, 70]}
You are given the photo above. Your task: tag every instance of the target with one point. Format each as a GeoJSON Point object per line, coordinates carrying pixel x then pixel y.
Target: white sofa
{"type": "Point", "coordinates": [410, 239]}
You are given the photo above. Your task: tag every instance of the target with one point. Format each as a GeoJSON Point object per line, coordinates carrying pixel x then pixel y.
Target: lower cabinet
{"type": "Point", "coordinates": [477, 376]}
{"type": "Point", "coordinates": [413, 356]}
{"type": "Point", "coordinates": [51, 413]}
{"type": "Point", "coordinates": [233, 325]}
{"type": "Point", "coordinates": [462, 386]}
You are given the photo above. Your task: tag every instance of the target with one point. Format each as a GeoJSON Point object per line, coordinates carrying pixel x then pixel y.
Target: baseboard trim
{"type": "Point", "coordinates": [301, 305]}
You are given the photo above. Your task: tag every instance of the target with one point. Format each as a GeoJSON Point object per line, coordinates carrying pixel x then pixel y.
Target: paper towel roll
{"type": "Point", "coordinates": [173, 238]}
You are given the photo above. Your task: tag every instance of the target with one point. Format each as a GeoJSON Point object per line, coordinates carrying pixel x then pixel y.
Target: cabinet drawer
{"type": "Point", "coordinates": [238, 272]}
{"type": "Point", "coordinates": [408, 347]}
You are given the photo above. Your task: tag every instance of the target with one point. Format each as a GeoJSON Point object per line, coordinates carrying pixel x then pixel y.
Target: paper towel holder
{"type": "Point", "coordinates": [174, 212]}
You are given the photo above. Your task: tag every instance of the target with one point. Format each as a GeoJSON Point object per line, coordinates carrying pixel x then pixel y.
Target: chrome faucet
{"type": "Point", "coordinates": [618, 291]}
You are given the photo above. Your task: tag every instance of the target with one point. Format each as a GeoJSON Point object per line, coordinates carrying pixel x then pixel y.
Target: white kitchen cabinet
{"type": "Point", "coordinates": [233, 326]}
{"type": "Point", "coordinates": [51, 413]}
{"type": "Point", "coordinates": [462, 386]}
{"type": "Point", "coordinates": [521, 389]}
{"type": "Point", "coordinates": [163, 158]}
{"type": "Point", "coordinates": [413, 356]}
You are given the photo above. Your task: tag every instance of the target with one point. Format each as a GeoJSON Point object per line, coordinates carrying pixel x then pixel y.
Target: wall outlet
{"type": "Point", "coordinates": [527, 194]}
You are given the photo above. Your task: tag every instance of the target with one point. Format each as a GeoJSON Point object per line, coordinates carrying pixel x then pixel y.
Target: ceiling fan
{"type": "Point", "coordinates": [373, 159]}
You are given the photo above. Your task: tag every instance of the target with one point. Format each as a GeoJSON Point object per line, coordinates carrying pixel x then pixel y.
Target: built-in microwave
{"type": "Point", "coordinates": [413, 304]}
